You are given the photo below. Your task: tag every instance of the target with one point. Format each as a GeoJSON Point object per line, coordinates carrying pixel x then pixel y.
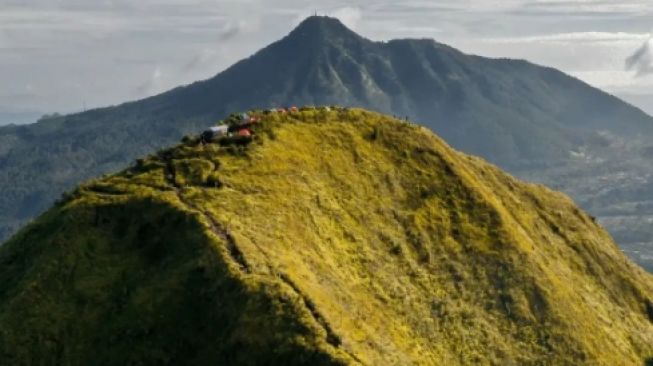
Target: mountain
{"type": "Point", "coordinates": [395, 249]}
{"type": "Point", "coordinates": [537, 122]}
{"type": "Point", "coordinates": [8, 116]}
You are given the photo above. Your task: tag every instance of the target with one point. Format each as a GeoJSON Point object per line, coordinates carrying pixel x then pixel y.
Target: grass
{"type": "Point", "coordinates": [334, 237]}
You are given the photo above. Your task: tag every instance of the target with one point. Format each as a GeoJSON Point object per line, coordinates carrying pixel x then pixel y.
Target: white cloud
{"type": "Point", "coordinates": [576, 37]}
{"type": "Point", "coordinates": [150, 84]}
{"type": "Point", "coordinates": [641, 61]}
{"type": "Point", "coordinates": [349, 16]}
{"type": "Point", "coordinates": [204, 57]}
{"type": "Point", "coordinates": [597, 6]}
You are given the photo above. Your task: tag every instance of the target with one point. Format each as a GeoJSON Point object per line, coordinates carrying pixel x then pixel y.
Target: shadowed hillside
{"type": "Point", "coordinates": [333, 237]}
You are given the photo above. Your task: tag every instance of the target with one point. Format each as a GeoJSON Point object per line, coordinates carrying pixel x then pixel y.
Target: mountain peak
{"type": "Point", "coordinates": [320, 22]}
{"type": "Point", "coordinates": [323, 27]}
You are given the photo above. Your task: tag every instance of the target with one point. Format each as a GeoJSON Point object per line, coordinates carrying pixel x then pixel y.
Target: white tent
{"type": "Point", "coordinates": [219, 130]}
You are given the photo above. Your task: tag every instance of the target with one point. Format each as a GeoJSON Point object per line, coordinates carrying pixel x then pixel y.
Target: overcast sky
{"type": "Point", "coordinates": [65, 55]}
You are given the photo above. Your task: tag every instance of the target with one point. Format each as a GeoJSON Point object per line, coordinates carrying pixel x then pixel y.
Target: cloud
{"type": "Point", "coordinates": [227, 33]}
{"type": "Point", "coordinates": [150, 84]}
{"type": "Point", "coordinates": [199, 60]}
{"type": "Point", "coordinates": [584, 7]}
{"type": "Point", "coordinates": [349, 16]}
{"type": "Point", "coordinates": [193, 63]}
{"type": "Point", "coordinates": [232, 30]}
{"type": "Point", "coordinates": [576, 37]}
{"type": "Point", "coordinates": [642, 60]}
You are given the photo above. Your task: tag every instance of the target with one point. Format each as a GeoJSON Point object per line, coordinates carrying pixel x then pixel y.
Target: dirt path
{"type": "Point", "coordinates": [238, 257]}
{"type": "Point", "coordinates": [235, 252]}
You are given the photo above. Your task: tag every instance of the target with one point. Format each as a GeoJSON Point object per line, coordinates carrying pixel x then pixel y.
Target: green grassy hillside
{"type": "Point", "coordinates": [341, 237]}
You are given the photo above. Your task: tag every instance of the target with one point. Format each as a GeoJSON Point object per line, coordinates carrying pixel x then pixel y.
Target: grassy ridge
{"type": "Point", "coordinates": [334, 237]}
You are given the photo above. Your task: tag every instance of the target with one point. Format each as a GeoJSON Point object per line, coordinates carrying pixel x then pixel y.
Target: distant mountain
{"type": "Point", "coordinates": [8, 117]}
{"type": "Point", "coordinates": [534, 121]}
{"type": "Point", "coordinates": [334, 238]}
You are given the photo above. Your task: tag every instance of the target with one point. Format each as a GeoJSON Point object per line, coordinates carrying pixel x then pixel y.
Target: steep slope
{"type": "Point", "coordinates": [521, 116]}
{"type": "Point", "coordinates": [342, 237]}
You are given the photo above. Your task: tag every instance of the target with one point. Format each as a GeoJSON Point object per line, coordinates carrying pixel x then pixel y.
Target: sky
{"type": "Point", "coordinates": [62, 56]}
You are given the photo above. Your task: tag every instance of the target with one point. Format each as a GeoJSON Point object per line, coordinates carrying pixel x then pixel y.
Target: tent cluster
{"type": "Point", "coordinates": [284, 110]}
{"type": "Point", "coordinates": [238, 127]}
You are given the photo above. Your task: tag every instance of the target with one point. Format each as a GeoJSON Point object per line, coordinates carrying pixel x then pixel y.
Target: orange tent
{"type": "Point", "coordinates": [245, 132]}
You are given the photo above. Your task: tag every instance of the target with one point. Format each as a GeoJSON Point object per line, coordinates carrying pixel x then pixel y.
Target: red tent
{"type": "Point", "coordinates": [245, 132]}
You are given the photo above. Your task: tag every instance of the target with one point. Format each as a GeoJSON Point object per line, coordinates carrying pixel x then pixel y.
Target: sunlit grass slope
{"type": "Point", "coordinates": [334, 237]}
